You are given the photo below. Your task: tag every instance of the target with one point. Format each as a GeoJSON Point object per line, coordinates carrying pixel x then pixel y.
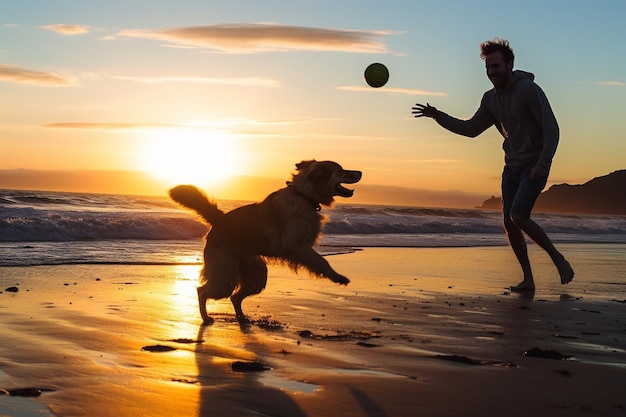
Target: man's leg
{"type": "Point", "coordinates": [522, 205]}
{"type": "Point", "coordinates": [518, 244]}
{"type": "Point", "coordinates": [536, 233]}
{"type": "Point", "coordinates": [510, 185]}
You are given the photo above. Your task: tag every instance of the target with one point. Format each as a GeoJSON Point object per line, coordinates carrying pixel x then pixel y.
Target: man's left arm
{"type": "Point", "coordinates": [542, 112]}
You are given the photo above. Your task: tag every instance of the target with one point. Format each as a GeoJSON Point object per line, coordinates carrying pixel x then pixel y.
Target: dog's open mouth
{"type": "Point", "coordinates": [343, 191]}
{"type": "Point", "coordinates": [349, 177]}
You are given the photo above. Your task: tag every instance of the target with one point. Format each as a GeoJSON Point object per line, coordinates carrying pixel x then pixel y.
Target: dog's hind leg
{"type": "Point", "coordinates": [220, 276]}
{"type": "Point", "coordinates": [202, 299]}
{"type": "Point", "coordinates": [253, 279]}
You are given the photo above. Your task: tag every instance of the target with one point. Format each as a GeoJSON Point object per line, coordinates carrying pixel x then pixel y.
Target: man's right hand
{"type": "Point", "coordinates": [420, 110]}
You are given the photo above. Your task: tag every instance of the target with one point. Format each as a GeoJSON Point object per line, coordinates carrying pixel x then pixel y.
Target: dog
{"type": "Point", "coordinates": [282, 228]}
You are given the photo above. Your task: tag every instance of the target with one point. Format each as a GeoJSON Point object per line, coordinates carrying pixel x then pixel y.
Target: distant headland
{"type": "Point", "coordinates": [601, 195]}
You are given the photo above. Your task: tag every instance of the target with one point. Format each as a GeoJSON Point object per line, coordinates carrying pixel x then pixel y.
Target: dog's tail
{"type": "Point", "coordinates": [193, 198]}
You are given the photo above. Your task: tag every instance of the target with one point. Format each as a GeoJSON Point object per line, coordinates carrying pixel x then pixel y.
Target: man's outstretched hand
{"type": "Point", "coordinates": [420, 110]}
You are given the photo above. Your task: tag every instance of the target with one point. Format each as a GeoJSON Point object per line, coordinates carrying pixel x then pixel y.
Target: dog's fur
{"type": "Point", "coordinates": [283, 227]}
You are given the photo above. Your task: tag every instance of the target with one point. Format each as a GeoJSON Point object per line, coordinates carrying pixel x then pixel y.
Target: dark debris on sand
{"type": "Point", "coordinates": [366, 344]}
{"type": "Point", "coordinates": [240, 366]}
{"type": "Point", "coordinates": [186, 381]}
{"type": "Point", "coordinates": [545, 354]}
{"type": "Point", "coordinates": [470, 361]}
{"type": "Point", "coordinates": [158, 348]}
{"type": "Point", "coordinates": [186, 341]}
{"type": "Point", "coordinates": [267, 324]}
{"type": "Point", "coordinates": [339, 335]}
{"type": "Point", "coordinates": [23, 392]}
{"type": "Point", "coordinates": [459, 359]}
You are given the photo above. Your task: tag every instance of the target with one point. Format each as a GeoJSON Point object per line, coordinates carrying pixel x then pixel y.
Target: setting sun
{"type": "Point", "coordinates": [192, 156]}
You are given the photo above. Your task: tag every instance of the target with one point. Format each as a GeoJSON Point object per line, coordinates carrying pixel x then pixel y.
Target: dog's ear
{"type": "Point", "coordinates": [303, 165]}
{"type": "Point", "coordinates": [320, 173]}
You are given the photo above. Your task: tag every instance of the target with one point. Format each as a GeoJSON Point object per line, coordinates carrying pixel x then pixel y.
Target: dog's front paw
{"type": "Point", "coordinates": [340, 279]}
{"type": "Point", "coordinates": [208, 321]}
{"type": "Point", "coordinates": [244, 321]}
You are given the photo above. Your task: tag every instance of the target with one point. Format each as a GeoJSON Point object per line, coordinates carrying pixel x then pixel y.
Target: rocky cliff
{"type": "Point", "coordinates": [601, 195]}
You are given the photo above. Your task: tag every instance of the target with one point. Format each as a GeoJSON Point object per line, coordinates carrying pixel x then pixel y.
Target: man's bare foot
{"type": "Point", "coordinates": [523, 286]}
{"type": "Point", "coordinates": [565, 271]}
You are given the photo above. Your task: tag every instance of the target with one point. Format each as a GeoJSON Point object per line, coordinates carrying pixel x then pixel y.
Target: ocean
{"type": "Point", "coordinates": [56, 228]}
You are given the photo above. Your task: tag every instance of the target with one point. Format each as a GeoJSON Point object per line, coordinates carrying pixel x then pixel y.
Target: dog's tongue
{"type": "Point", "coordinates": [343, 191]}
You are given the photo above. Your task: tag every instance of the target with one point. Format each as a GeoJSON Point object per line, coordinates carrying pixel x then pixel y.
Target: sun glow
{"type": "Point", "coordinates": [190, 156]}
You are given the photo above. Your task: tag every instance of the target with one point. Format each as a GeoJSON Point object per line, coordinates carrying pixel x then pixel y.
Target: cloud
{"type": "Point", "coordinates": [264, 37]}
{"type": "Point", "coordinates": [436, 161]}
{"type": "Point", "coordinates": [108, 126]}
{"type": "Point", "coordinates": [612, 83]}
{"type": "Point", "coordinates": [201, 124]}
{"type": "Point", "coordinates": [13, 74]}
{"type": "Point", "coordinates": [65, 29]}
{"type": "Point", "coordinates": [243, 81]}
{"type": "Point", "coordinates": [405, 91]}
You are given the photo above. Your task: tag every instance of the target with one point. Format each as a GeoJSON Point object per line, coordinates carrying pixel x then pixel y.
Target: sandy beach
{"type": "Point", "coordinates": [418, 332]}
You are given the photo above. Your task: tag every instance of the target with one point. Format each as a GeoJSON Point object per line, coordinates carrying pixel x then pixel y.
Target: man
{"type": "Point", "coordinates": [520, 111]}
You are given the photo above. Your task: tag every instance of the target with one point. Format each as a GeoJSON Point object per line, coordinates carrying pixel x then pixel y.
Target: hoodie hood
{"type": "Point", "coordinates": [520, 75]}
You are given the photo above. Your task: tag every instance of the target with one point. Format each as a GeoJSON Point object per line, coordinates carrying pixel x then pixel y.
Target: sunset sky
{"type": "Point", "coordinates": [133, 97]}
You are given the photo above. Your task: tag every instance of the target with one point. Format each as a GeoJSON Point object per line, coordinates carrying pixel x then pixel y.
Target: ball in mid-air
{"type": "Point", "coordinates": [376, 75]}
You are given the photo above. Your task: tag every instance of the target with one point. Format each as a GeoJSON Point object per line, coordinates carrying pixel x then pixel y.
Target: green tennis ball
{"type": "Point", "coordinates": [376, 75]}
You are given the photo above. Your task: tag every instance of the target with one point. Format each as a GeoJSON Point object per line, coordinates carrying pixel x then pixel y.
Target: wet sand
{"type": "Point", "coordinates": [430, 332]}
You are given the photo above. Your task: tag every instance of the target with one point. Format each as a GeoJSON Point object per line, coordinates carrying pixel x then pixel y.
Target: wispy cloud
{"type": "Point", "coordinates": [17, 75]}
{"type": "Point", "coordinates": [405, 91]}
{"type": "Point", "coordinates": [109, 126]}
{"type": "Point", "coordinates": [612, 83]}
{"type": "Point", "coordinates": [200, 124]}
{"type": "Point", "coordinates": [436, 161]}
{"type": "Point", "coordinates": [264, 37]}
{"type": "Point", "coordinates": [243, 81]}
{"type": "Point", "coordinates": [65, 29]}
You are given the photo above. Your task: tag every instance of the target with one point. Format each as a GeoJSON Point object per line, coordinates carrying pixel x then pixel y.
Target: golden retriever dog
{"type": "Point", "coordinates": [284, 228]}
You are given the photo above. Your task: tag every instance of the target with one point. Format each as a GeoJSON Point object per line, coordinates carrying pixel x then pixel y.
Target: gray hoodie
{"type": "Point", "coordinates": [523, 116]}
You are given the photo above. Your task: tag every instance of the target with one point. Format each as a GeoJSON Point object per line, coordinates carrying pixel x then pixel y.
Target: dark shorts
{"type": "Point", "coordinates": [519, 192]}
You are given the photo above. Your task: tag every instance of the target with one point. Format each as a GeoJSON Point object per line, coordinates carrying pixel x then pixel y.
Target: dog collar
{"type": "Point", "coordinates": [316, 206]}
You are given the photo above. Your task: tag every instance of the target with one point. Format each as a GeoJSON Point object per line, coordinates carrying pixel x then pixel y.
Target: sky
{"type": "Point", "coordinates": [134, 97]}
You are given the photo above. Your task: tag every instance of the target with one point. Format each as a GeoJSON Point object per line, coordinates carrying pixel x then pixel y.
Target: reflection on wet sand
{"type": "Point", "coordinates": [379, 347]}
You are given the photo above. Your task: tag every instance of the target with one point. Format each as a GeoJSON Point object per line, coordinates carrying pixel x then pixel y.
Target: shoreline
{"type": "Point", "coordinates": [416, 332]}
{"type": "Point", "coordinates": [192, 253]}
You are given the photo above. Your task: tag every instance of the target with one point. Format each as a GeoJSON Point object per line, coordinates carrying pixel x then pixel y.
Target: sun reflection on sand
{"type": "Point", "coordinates": [184, 295]}
{"type": "Point", "coordinates": [184, 300]}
